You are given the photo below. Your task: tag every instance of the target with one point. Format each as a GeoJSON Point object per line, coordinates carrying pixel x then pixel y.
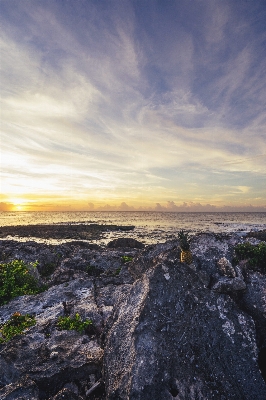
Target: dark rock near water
{"type": "Point", "coordinates": [125, 242]}
{"type": "Point", "coordinates": [161, 329]}
{"type": "Point", "coordinates": [261, 235]}
{"type": "Point", "coordinates": [61, 231]}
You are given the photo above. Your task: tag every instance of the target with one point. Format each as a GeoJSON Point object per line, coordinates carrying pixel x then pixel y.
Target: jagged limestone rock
{"type": "Point", "coordinates": [228, 285]}
{"type": "Point", "coordinates": [172, 336]}
{"type": "Point", "coordinates": [160, 330]}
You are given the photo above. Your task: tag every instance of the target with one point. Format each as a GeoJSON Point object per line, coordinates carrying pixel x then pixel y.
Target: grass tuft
{"type": "Point", "coordinates": [76, 323]}
{"type": "Point", "coordinates": [15, 326]}
{"type": "Point", "coordinates": [126, 258]}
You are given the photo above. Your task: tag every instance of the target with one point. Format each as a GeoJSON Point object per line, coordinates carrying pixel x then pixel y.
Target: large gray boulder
{"type": "Point", "coordinates": [172, 337]}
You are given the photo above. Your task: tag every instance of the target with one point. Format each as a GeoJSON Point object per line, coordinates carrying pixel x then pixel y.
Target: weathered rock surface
{"type": "Point", "coordinates": [161, 329]}
{"type": "Point", "coordinates": [46, 355]}
{"type": "Point", "coordinates": [126, 242]}
{"type": "Point", "coordinates": [174, 338]}
{"type": "Point", "coordinates": [229, 285]}
{"type": "Point", "coordinates": [23, 388]}
{"type": "Point", "coordinates": [226, 267]}
{"type": "Point", "coordinates": [261, 235]}
{"type": "Point", "coordinates": [61, 231]}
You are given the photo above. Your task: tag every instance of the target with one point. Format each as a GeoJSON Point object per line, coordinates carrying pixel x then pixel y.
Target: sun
{"type": "Point", "coordinates": [18, 204]}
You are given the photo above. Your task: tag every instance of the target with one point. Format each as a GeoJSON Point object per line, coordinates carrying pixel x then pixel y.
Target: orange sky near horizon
{"type": "Point", "coordinates": [24, 204]}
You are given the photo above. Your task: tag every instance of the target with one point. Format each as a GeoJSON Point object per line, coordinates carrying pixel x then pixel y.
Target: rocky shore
{"type": "Point", "coordinates": [63, 231]}
{"type": "Point", "coordinates": [161, 329]}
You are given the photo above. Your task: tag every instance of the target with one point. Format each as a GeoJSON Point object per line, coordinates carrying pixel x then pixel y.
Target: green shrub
{"type": "Point", "coordinates": [15, 325]}
{"type": "Point", "coordinates": [76, 323]}
{"type": "Point", "coordinates": [15, 280]}
{"type": "Point", "coordinates": [255, 254]}
{"type": "Point", "coordinates": [126, 259]}
{"type": "Point", "coordinates": [117, 271]}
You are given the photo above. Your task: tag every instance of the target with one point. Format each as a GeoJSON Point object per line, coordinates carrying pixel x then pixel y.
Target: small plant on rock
{"type": "Point", "coordinates": [15, 280]}
{"type": "Point", "coordinates": [254, 254]}
{"type": "Point", "coordinates": [15, 325]}
{"type": "Point", "coordinates": [184, 243]}
{"type": "Point", "coordinates": [126, 259]}
{"type": "Point", "coordinates": [117, 271]}
{"type": "Point", "coordinates": [76, 323]}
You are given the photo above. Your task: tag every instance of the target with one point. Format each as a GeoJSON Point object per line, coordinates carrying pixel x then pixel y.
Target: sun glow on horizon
{"type": "Point", "coordinates": [17, 201]}
{"type": "Point", "coordinates": [62, 204]}
{"type": "Point", "coordinates": [18, 204]}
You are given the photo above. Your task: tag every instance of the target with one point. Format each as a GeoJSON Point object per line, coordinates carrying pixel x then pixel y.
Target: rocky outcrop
{"type": "Point", "coordinates": [125, 242]}
{"type": "Point", "coordinates": [46, 355]}
{"type": "Point", "coordinates": [229, 285]}
{"type": "Point", "coordinates": [62, 231]}
{"type": "Point", "coordinates": [172, 337]}
{"type": "Point", "coordinates": [23, 388]}
{"type": "Point", "coordinates": [161, 329]}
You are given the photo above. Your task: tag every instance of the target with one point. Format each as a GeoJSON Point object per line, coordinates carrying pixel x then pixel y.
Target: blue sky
{"type": "Point", "coordinates": [133, 104]}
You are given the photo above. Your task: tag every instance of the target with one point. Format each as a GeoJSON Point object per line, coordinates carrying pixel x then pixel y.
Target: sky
{"type": "Point", "coordinates": [133, 105]}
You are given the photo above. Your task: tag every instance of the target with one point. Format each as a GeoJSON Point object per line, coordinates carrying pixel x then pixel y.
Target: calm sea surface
{"type": "Point", "coordinates": [150, 227]}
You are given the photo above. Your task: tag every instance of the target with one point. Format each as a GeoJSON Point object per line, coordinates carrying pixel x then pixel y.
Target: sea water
{"type": "Point", "coordinates": [150, 227]}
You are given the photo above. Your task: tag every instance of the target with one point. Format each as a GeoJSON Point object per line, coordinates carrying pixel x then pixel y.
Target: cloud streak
{"type": "Point", "coordinates": [134, 102]}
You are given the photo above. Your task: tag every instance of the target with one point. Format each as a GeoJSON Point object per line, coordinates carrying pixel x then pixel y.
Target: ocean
{"type": "Point", "coordinates": [150, 227]}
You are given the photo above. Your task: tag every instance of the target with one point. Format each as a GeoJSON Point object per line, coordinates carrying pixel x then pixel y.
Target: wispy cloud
{"type": "Point", "coordinates": [133, 103]}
